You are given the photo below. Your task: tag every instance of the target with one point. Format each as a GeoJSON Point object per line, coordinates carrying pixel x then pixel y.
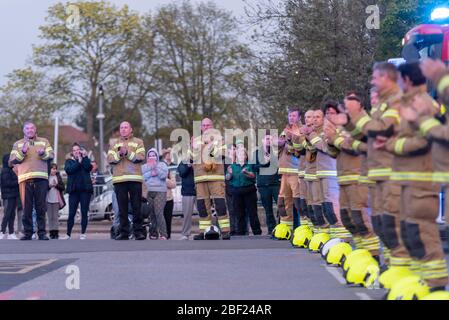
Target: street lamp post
{"type": "Point", "coordinates": [101, 117]}
{"type": "Point", "coordinates": [156, 105]}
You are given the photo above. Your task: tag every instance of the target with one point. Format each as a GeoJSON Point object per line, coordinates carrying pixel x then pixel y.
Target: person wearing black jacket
{"type": "Point", "coordinates": [266, 168]}
{"type": "Point", "coordinates": [229, 160]}
{"type": "Point", "coordinates": [188, 193]}
{"type": "Point", "coordinates": [79, 187]}
{"type": "Point", "coordinates": [11, 198]}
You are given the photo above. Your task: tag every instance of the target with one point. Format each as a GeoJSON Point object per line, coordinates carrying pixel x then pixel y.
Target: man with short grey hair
{"type": "Point", "coordinates": [32, 154]}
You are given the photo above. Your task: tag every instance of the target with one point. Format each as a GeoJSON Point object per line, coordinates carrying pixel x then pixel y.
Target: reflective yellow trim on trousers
{"type": "Point", "coordinates": [311, 177]}
{"type": "Point", "coordinates": [288, 223]}
{"type": "Point", "coordinates": [400, 262]}
{"type": "Point", "coordinates": [33, 175]}
{"type": "Point", "coordinates": [399, 146]}
{"type": "Point", "coordinates": [348, 178]}
{"type": "Point", "coordinates": [427, 125]}
{"type": "Point", "coordinates": [288, 170]}
{"type": "Point", "coordinates": [412, 176]}
{"type": "Point", "coordinates": [433, 264]}
{"type": "Point", "coordinates": [374, 173]}
{"type": "Point", "coordinates": [126, 178]}
{"type": "Point", "coordinates": [224, 223]}
{"type": "Point", "coordinates": [204, 224]}
{"type": "Point", "coordinates": [326, 173]}
{"type": "Point", "coordinates": [301, 174]}
{"type": "Point", "coordinates": [297, 145]}
{"type": "Point", "coordinates": [443, 84]}
{"type": "Point", "coordinates": [415, 266]}
{"type": "Point", "coordinates": [358, 242]}
{"type": "Point", "coordinates": [372, 243]}
{"type": "Point", "coordinates": [434, 269]}
{"type": "Point", "coordinates": [435, 275]}
{"type": "Point", "coordinates": [209, 178]}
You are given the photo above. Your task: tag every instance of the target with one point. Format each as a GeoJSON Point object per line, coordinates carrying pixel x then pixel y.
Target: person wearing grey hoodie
{"type": "Point", "coordinates": [155, 173]}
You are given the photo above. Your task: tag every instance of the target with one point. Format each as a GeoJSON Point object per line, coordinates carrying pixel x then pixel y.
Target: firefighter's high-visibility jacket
{"type": "Point", "coordinates": [31, 165]}
{"type": "Point", "coordinates": [311, 164]}
{"type": "Point", "coordinates": [442, 84]}
{"type": "Point", "coordinates": [412, 161]}
{"type": "Point", "coordinates": [383, 121]}
{"type": "Point", "coordinates": [349, 161]}
{"type": "Point", "coordinates": [208, 166]}
{"type": "Point", "coordinates": [326, 163]}
{"type": "Point", "coordinates": [289, 153]}
{"type": "Point", "coordinates": [129, 167]}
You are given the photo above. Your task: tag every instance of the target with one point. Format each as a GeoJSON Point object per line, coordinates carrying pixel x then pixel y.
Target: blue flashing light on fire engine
{"type": "Point", "coordinates": [440, 14]}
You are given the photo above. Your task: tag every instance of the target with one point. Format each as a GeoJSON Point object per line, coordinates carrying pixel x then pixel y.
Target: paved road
{"type": "Point", "coordinates": [243, 268]}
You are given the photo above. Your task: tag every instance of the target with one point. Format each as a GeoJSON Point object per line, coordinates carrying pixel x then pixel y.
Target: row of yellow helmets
{"type": "Point", "coordinates": [359, 266]}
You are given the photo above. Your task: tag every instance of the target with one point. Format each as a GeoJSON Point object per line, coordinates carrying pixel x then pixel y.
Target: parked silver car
{"type": "Point", "coordinates": [100, 206]}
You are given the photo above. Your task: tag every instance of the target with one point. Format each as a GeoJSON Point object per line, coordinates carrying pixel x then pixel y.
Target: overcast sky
{"type": "Point", "coordinates": [20, 20]}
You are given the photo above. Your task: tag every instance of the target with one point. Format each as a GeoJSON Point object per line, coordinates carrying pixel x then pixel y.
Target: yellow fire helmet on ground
{"type": "Point", "coordinates": [362, 270]}
{"type": "Point", "coordinates": [301, 238]}
{"type": "Point", "coordinates": [389, 277]}
{"type": "Point", "coordinates": [338, 253]}
{"type": "Point", "coordinates": [437, 295]}
{"type": "Point", "coordinates": [354, 256]}
{"type": "Point", "coordinates": [282, 232]}
{"type": "Point", "coordinates": [410, 288]}
{"type": "Point", "coordinates": [318, 241]}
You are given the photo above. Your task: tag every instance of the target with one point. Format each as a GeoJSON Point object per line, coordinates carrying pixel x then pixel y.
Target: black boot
{"type": "Point", "coordinates": [329, 213]}
{"type": "Point", "coordinates": [225, 236]}
{"type": "Point", "coordinates": [319, 217]}
{"type": "Point", "coordinates": [43, 237]}
{"type": "Point", "coordinates": [122, 236]}
{"type": "Point", "coordinates": [52, 234]}
{"type": "Point", "coordinates": [56, 234]}
{"type": "Point", "coordinates": [199, 236]}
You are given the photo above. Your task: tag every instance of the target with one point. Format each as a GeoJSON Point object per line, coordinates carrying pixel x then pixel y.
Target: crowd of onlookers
{"type": "Point", "coordinates": [158, 198]}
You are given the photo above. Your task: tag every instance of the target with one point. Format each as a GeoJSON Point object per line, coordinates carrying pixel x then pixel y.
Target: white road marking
{"type": "Point", "coordinates": [27, 268]}
{"type": "Point", "coordinates": [363, 296]}
{"type": "Point", "coordinates": [337, 275]}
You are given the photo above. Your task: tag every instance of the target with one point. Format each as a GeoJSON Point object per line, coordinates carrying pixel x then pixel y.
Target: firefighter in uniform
{"type": "Point", "coordinates": [437, 129]}
{"type": "Point", "coordinates": [126, 156]}
{"type": "Point", "coordinates": [32, 154]}
{"type": "Point", "coordinates": [421, 198]}
{"type": "Point", "coordinates": [314, 197]}
{"type": "Point", "coordinates": [327, 176]}
{"type": "Point", "coordinates": [208, 152]}
{"type": "Point", "coordinates": [303, 211]}
{"type": "Point", "coordinates": [289, 194]}
{"type": "Point", "coordinates": [353, 192]}
{"type": "Point", "coordinates": [384, 121]}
